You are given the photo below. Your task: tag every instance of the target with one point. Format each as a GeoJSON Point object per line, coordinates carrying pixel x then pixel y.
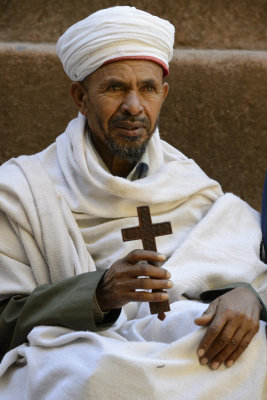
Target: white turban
{"type": "Point", "coordinates": [113, 34]}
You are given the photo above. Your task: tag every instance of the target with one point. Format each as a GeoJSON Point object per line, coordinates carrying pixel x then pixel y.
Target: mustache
{"type": "Point", "coordinates": [129, 118]}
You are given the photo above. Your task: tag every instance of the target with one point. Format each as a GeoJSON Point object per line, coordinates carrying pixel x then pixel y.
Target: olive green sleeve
{"type": "Point", "coordinates": [68, 303]}
{"type": "Point", "coordinates": [210, 295]}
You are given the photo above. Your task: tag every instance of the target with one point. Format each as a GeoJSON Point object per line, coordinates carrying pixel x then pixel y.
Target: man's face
{"type": "Point", "coordinates": [122, 103]}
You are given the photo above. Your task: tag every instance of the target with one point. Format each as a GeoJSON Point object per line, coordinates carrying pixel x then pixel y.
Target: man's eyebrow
{"type": "Point", "coordinates": [148, 82]}
{"type": "Point", "coordinates": [113, 82]}
{"type": "Point", "coordinates": [118, 81]}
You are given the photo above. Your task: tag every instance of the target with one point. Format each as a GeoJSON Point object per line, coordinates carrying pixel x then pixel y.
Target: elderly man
{"type": "Point", "coordinates": [75, 322]}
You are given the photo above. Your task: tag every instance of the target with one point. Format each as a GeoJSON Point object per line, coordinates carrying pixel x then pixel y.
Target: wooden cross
{"type": "Point", "coordinates": [146, 231]}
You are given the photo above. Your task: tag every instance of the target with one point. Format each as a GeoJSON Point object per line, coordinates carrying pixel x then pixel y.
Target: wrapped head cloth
{"type": "Point", "coordinates": [114, 34]}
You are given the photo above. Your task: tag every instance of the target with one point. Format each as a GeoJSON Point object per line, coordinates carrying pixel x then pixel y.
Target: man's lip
{"type": "Point", "coordinates": [130, 132]}
{"type": "Point", "coordinates": [130, 125]}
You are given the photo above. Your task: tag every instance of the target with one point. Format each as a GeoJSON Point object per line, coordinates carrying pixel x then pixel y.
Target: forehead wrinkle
{"type": "Point", "coordinates": [120, 77]}
{"type": "Point", "coordinates": [113, 77]}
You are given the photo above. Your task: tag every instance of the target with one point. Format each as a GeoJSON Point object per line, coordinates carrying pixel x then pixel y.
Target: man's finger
{"type": "Point", "coordinates": [212, 331]}
{"type": "Point", "coordinates": [233, 343]}
{"type": "Point", "coordinates": [145, 269]}
{"type": "Point", "coordinates": [224, 344]}
{"type": "Point", "coordinates": [144, 255]}
{"type": "Point", "coordinates": [239, 350]}
{"type": "Point", "coordinates": [207, 315]}
{"type": "Point", "coordinates": [122, 270]}
{"type": "Point", "coordinates": [147, 284]}
{"type": "Point", "coordinates": [140, 296]}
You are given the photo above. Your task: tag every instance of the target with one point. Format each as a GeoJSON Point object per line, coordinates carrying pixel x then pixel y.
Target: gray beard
{"type": "Point", "coordinates": [129, 153]}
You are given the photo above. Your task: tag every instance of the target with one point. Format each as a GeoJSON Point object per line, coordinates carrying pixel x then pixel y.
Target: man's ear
{"type": "Point", "coordinates": [165, 89]}
{"type": "Point", "coordinates": [78, 93]}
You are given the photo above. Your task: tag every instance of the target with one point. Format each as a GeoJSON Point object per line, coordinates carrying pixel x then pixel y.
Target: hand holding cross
{"type": "Point", "coordinates": [137, 277]}
{"type": "Point", "coordinates": [146, 231]}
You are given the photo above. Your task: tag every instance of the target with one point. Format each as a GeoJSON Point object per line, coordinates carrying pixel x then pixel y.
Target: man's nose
{"type": "Point", "coordinates": [131, 103]}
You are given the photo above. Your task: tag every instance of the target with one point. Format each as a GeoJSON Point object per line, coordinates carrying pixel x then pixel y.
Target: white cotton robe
{"type": "Point", "coordinates": [67, 213]}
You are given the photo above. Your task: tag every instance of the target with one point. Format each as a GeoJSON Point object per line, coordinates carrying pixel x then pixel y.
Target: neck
{"type": "Point", "coordinates": [117, 166]}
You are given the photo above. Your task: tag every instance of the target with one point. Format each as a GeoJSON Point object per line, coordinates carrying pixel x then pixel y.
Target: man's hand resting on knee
{"type": "Point", "coordinates": [129, 279]}
{"type": "Point", "coordinates": [233, 320]}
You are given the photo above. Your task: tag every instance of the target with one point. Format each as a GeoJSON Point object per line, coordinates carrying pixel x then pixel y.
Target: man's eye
{"type": "Point", "coordinates": [115, 88]}
{"type": "Point", "coordinates": [149, 88]}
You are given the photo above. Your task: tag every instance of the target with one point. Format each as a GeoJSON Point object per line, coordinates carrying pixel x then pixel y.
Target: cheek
{"type": "Point", "coordinates": [104, 111]}
{"type": "Point", "coordinates": [98, 117]}
{"type": "Point", "coordinates": [153, 110]}
{"type": "Point", "coordinates": [94, 121]}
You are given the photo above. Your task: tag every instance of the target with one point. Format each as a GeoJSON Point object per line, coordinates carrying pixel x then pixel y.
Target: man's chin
{"type": "Point", "coordinates": [129, 149]}
{"type": "Point", "coordinates": [131, 139]}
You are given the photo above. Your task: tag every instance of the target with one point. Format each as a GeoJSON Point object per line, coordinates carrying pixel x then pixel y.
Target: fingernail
{"type": "Point", "coordinates": [229, 363]}
{"type": "Point", "coordinates": [162, 257]}
{"type": "Point", "coordinates": [215, 365]}
{"type": "Point", "coordinates": [200, 352]}
{"type": "Point", "coordinates": [204, 361]}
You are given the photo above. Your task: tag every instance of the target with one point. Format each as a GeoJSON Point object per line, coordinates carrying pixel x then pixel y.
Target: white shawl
{"type": "Point", "coordinates": [43, 197]}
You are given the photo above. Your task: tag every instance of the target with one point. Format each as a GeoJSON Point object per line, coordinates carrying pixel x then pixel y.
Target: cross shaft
{"type": "Point", "coordinates": [146, 231]}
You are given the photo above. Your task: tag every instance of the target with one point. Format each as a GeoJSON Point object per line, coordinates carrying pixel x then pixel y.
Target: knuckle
{"type": "Point", "coordinates": [234, 342]}
{"type": "Point", "coordinates": [214, 329]}
{"type": "Point", "coordinates": [254, 325]}
{"type": "Point", "coordinates": [115, 287]}
{"type": "Point", "coordinates": [138, 252]}
{"type": "Point", "coordinates": [133, 254]}
{"type": "Point", "coordinates": [243, 345]}
{"type": "Point", "coordinates": [144, 269]}
{"type": "Point", "coordinates": [145, 284]}
{"type": "Point", "coordinates": [223, 340]}
{"type": "Point", "coordinates": [257, 326]}
{"type": "Point", "coordinates": [207, 311]}
{"type": "Point", "coordinates": [236, 354]}
{"type": "Point", "coordinates": [118, 273]}
{"type": "Point", "coordinates": [204, 344]}
{"type": "Point", "coordinates": [248, 320]}
{"type": "Point", "coordinates": [233, 315]}
{"type": "Point", "coordinates": [230, 313]}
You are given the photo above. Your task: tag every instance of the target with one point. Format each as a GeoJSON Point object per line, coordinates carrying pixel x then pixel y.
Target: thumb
{"type": "Point", "coordinates": [207, 315]}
